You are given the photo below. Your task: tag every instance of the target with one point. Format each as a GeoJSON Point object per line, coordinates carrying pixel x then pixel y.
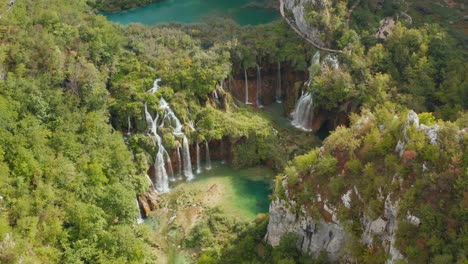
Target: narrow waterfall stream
{"type": "Point", "coordinates": [246, 87]}
{"type": "Point", "coordinates": [186, 159]}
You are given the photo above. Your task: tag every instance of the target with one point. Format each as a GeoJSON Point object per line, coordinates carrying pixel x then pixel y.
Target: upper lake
{"type": "Point", "coordinates": [194, 11]}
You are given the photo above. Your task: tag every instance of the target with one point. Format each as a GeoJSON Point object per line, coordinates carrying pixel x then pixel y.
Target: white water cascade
{"type": "Point", "coordinates": [140, 216]}
{"type": "Point", "coordinates": [259, 87]}
{"type": "Point", "coordinates": [162, 184]}
{"type": "Point", "coordinates": [186, 158]}
{"type": "Point", "coordinates": [278, 87]}
{"type": "Point", "coordinates": [303, 111]}
{"type": "Point", "coordinates": [198, 159]}
{"type": "Point", "coordinates": [208, 159]}
{"type": "Point", "coordinates": [159, 165]}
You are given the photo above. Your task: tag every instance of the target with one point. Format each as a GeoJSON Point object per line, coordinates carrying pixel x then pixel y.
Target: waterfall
{"type": "Point", "coordinates": [278, 87]}
{"type": "Point", "coordinates": [303, 112]}
{"type": "Point", "coordinates": [174, 122]}
{"type": "Point", "coordinates": [179, 163]}
{"type": "Point", "coordinates": [246, 88]}
{"type": "Point", "coordinates": [259, 87]}
{"type": "Point", "coordinates": [140, 217]}
{"type": "Point", "coordinates": [162, 184]}
{"type": "Point", "coordinates": [208, 159]}
{"type": "Point", "coordinates": [186, 158]}
{"type": "Point", "coordinates": [155, 86]}
{"type": "Point", "coordinates": [129, 131]}
{"type": "Point", "coordinates": [162, 175]}
{"type": "Point", "coordinates": [198, 159]}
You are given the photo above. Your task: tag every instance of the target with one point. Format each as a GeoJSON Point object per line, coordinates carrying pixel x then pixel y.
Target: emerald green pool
{"type": "Point", "coordinates": [194, 11]}
{"type": "Point", "coordinates": [246, 192]}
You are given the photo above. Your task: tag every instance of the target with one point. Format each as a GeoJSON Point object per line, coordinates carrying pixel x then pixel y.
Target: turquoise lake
{"type": "Point", "coordinates": [194, 11]}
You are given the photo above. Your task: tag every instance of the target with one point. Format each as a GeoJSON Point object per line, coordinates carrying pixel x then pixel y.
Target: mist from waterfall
{"type": "Point", "coordinates": [207, 153]}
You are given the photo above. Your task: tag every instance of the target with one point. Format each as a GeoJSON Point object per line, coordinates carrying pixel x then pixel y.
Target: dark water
{"type": "Point", "coordinates": [194, 11]}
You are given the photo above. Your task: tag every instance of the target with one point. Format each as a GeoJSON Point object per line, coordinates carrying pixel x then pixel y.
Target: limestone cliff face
{"type": "Point", "coordinates": [316, 235]}
{"type": "Point", "coordinates": [313, 236]}
{"type": "Point", "coordinates": [296, 11]}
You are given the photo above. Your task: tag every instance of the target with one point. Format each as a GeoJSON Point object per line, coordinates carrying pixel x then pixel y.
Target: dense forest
{"type": "Point", "coordinates": [76, 147]}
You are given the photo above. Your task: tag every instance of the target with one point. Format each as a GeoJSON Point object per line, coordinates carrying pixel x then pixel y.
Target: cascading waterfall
{"type": "Point", "coordinates": [303, 112]}
{"type": "Point", "coordinates": [140, 216]}
{"type": "Point", "coordinates": [162, 184]}
{"type": "Point", "coordinates": [259, 87]}
{"type": "Point", "coordinates": [208, 159]}
{"type": "Point", "coordinates": [175, 123]}
{"type": "Point", "coordinates": [278, 87]}
{"type": "Point", "coordinates": [198, 159]}
{"type": "Point", "coordinates": [186, 158]}
{"type": "Point", "coordinates": [246, 87]}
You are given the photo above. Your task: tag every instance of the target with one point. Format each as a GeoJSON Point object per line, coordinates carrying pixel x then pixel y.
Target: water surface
{"type": "Point", "coordinates": [194, 11]}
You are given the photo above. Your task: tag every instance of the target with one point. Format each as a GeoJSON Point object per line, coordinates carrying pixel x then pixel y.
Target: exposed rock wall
{"type": "Point", "coordinates": [313, 236]}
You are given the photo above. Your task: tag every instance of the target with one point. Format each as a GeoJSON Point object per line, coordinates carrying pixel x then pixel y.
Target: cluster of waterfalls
{"type": "Point", "coordinates": [303, 113]}
{"type": "Point", "coordinates": [162, 162]}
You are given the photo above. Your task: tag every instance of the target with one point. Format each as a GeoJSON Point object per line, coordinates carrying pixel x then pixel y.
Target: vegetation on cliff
{"type": "Point", "coordinates": [427, 174]}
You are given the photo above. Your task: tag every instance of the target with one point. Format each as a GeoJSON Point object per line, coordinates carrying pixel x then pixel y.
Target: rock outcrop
{"type": "Point", "coordinates": [148, 202]}
{"type": "Point", "coordinates": [313, 236]}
